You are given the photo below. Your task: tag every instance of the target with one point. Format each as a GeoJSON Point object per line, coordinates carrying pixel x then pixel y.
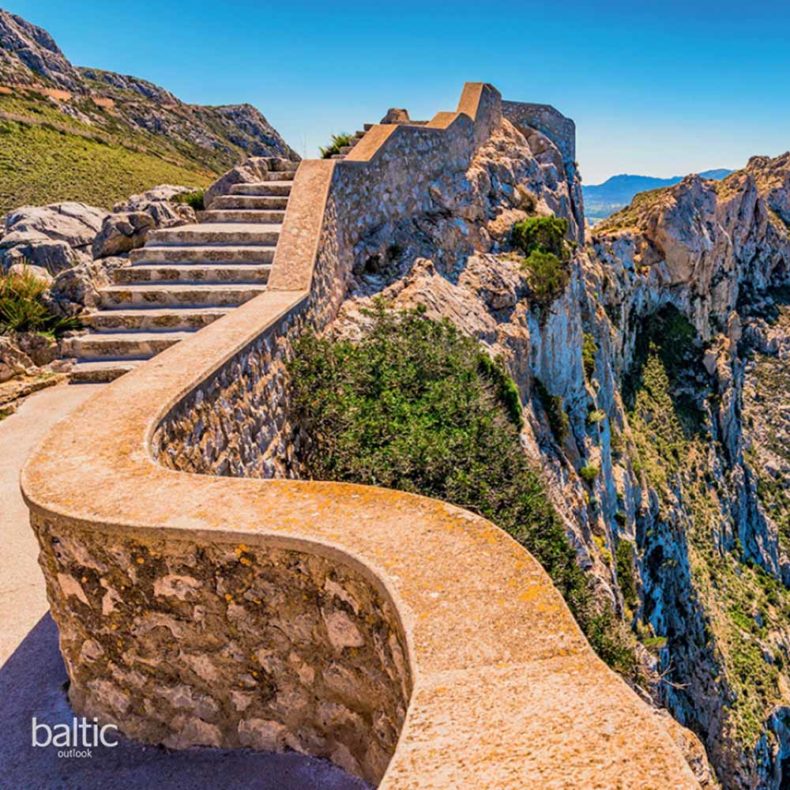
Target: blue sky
{"type": "Point", "coordinates": [659, 88]}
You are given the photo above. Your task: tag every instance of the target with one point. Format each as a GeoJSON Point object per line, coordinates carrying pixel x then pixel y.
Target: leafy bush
{"type": "Point", "coordinates": [22, 308]}
{"type": "Point", "coordinates": [506, 389]}
{"type": "Point", "coordinates": [588, 473]}
{"type": "Point", "coordinates": [413, 406]}
{"type": "Point", "coordinates": [555, 412]}
{"type": "Point", "coordinates": [589, 351]}
{"type": "Point", "coordinates": [542, 234]}
{"type": "Point", "coordinates": [626, 574]}
{"type": "Point", "coordinates": [547, 276]}
{"type": "Point", "coordinates": [655, 643]}
{"type": "Point", "coordinates": [547, 256]}
{"type": "Point", "coordinates": [193, 199]}
{"type": "Point", "coordinates": [338, 141]}
{"type": "Point", "coordinates": [596, 416]}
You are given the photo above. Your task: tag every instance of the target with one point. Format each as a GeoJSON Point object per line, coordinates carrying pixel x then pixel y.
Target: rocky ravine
{"type": "Point", "coordinates": [666, 352]}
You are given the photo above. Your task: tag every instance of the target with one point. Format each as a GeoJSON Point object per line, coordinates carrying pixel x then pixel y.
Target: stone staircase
{"type": "Point", "coordinates": [184, 278]}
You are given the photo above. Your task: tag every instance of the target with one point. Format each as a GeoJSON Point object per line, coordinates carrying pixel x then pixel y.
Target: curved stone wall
{"type": "Point", "coordinates": [170, 589]}
{"type": "Point", "coordinates": [188, 642]}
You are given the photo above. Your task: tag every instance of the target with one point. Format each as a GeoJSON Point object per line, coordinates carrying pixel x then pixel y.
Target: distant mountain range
{"type": "Point", "coordinates": [601, 200]}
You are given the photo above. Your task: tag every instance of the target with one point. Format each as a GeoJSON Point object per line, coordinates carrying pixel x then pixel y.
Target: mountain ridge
{"type": "Point", "coordinates": [69, 131]}
{"type": "Point", "coordinates": [602, 200]}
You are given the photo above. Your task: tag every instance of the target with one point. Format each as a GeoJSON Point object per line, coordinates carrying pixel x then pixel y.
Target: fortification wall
{"type": "Point", "coordinates": [227, 610]}
{"type": "Point", "coordinates": [547, 120]}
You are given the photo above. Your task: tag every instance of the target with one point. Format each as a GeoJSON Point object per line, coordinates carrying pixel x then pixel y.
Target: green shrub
{"type": "Point", "coordinates": [547, 276]}
{"type": "Point", "coordinates": [547, 256]}
{"type": "Point", "coordinates": [411, 406]}
{"type": "Point", "coordinates": [193, 199]}
{"type": "Point", "coordinates": [626, 573]}
{"type": "Point", "coordinates": [588, 473]}
{"type": "Point", "coordinates": [596, 416]}
{"type": "Point", "coordinates": [555, 412]}
{"type": "Point", "coordinates": [655, 643]}
{"type": "Point", "coordinates": [589, 350]}
{"type": "Point", "coordinates": [338, 141]}
{"type": "Point", "coordinates": [22, 308]}
{"type": "Point", "coordinates": [542, 234]}
{"type": "Point", "coordinates": [506, 390]}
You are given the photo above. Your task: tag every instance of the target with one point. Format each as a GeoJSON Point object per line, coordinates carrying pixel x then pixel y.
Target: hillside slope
{"type": "Point", "coordinates": [70, 133]}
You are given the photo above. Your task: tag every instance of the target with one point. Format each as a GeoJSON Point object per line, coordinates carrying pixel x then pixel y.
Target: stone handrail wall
{"type": "Point", "coordinates": [235, 423]}
{"type": "Point", "coordinates": [410, 641]}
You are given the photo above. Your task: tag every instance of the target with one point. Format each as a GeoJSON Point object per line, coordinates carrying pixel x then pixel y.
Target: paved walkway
{"type": "Point", "coordinates": [33, 680]}
{"type": "Point", "coordinates": [23, 600]}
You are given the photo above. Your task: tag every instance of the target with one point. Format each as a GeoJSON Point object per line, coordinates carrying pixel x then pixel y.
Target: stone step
{"type": "Point", "coordinates": [268, 203]}
{"type": "Point", "coordinates": [193, 273]}
{"type": "Point", "coordinates": [201, 255]}
{"type": "Point", "coordinates": [99, 372]}
{"type": "Point", "coordinates": [123, 345]}
{"type": "Point", "coordinates": [263, 188]}
{"type": "Point", "coordinates": [241, 215]}
{"type": "Point", "coordinates": [153, 319]}
{"type": "Point", "coordinates": [218, 233]}
{"type": "Point", "coordinates": [280, 175]}
{"type": "Point", "coordinates": [188, 295]}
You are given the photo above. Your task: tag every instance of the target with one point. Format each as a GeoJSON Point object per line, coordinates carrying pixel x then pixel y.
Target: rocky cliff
{"type": "Point", "coordinates": [110, 134]}
{"type": "Point", "coordinates": [654, 386]}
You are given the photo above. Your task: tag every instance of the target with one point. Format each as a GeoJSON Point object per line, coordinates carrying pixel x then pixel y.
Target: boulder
{"type": "Point", "coordinates": [39, 251]}
{"type": "Point", "coordinates": [249, 171]}
{"type": "Point", "coordinates": [77, 288]}
{"type": "Point", "coordinates": [122, 232]}
{"type": "Point", "coordinates": [37, 272]}
{"type": "Point", "coordinates": [74, 223]}
{"type": "Point", "coordinates": [158, 194]}
{"type": "Point", "coordinates": [54, 237]}
{"type": "Point", "coordinates": [13, 361]}
{"type": "Point", "coordinates": [127, 228]}
{"type": "Point", "coordinates": [41, 349]}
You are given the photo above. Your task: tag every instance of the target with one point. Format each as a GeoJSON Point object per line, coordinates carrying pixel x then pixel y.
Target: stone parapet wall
{"type": "Point", "coordinates": [206, 609]}
{"type": "Point", "coordinates": [186, 642]}
{"type": "Point", "coordinates": [235, 423]}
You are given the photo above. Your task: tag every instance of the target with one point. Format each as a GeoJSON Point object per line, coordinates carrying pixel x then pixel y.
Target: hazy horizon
{"type": "Point", "coordinates": [700, 90]}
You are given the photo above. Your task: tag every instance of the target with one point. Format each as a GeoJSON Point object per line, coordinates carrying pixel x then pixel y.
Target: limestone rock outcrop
{"type": "Point", "coordinates": [130, 222]}
{"type": "Point", "coordinates": [665, 526]}
{"type": "Point", "coordinates": [26, 48]}
{"type": "Point", "coordinates": [54, 237]}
